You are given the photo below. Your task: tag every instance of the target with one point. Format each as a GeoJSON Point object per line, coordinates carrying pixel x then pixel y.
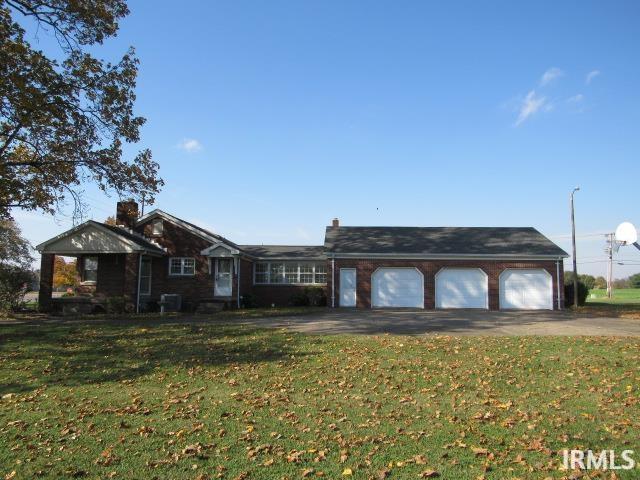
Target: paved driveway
{"type": "Point", "coordinates": [467, 322]}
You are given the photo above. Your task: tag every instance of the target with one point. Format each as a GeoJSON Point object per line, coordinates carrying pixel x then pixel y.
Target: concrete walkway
{"type": "Point", "coordinates": [460, 322]}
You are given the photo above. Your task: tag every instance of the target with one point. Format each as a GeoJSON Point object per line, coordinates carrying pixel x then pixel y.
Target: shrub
{"type": "Point", "coordinates": [583, 292]}
{"type": "Point", "coordinates": [316, 296]}
{"type": "Point", "coordinates": [116, 304]}
{"type": "Point", "coordinates": [299, 299]}
{"type": "Point", "coordinates": [14, 283]}
{"type": "Point", "coordinates": [248, 301]}
{"type": "Point", "coordinates": [310, 296]}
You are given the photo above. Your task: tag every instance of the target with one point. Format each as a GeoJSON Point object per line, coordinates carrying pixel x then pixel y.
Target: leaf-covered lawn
{"type": "Point", "coordinates": [145, 400]}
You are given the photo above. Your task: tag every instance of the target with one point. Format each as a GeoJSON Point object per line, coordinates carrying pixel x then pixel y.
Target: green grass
{"type": "Point", "coordinates": [620, 296]}
{"type": "Point", "coordinates": [140, 399]}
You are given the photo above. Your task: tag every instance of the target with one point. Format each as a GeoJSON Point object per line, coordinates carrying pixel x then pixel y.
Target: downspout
{"type": "Point", "coordinates": [333, 281]}
{"type": "Point", "coordinates": [558, 284]}
{"type": "Point", "coordinates": [138, 292]}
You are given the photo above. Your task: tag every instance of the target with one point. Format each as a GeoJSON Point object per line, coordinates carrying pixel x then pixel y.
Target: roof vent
{"type": "Point", "coordinates": [335, 223]}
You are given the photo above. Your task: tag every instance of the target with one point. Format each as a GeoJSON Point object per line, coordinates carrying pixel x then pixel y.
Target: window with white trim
{"type": "Point", "coordinates": [90, 269]}
{"type": "Point", "coordinates": [157, 227]}
{"type": "Point", "coordinates": [290, 273]}
{"type": "Point", "coordinates": [182, 266]}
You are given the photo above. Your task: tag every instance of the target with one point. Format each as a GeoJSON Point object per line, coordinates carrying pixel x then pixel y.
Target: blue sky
{"type": "Point", "coordinates": [270, 118]}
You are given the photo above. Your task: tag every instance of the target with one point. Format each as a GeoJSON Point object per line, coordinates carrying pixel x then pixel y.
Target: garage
{"type": "Point", "coordinates": [462, 288]}
{"type": "Point", "coordinates": [397, 287]}
{"type": "Point", "coordinates": [526, 289]}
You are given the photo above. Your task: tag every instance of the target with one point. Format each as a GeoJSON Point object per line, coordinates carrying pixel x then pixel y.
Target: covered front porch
{"type": "Point", "coordinates": [113, 264]}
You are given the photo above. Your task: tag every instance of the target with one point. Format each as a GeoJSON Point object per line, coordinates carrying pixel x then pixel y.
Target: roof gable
{"type": "Point", "coordinates": [95, 237]}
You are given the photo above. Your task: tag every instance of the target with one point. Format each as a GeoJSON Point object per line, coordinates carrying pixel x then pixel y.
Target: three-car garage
{"type": "Point", "coordinates": [455, 288]}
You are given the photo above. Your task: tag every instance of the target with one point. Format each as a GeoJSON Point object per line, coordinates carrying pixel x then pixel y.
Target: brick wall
{"type": "Point", "coordinates": [179, 242]}
{"type": "Point", "coordinates": [278, 295]}
{"type": "Point", "coordinates": [366, 267]}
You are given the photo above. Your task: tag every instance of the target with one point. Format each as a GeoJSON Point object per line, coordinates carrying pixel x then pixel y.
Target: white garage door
{"type": "Point", "coordinates": [462, 288]}
{"type": "Point", "coordinates": [397, 287]}
{"type": "Point", "coordinates": [526, 289]}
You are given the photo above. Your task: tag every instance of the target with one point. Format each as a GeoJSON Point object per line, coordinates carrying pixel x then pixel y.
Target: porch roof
{"type": "Point", "coordinates": [92, 237]}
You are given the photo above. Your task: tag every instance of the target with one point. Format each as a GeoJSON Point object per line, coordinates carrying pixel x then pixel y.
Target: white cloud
{"type": "Point", "coordinates": [550, 75]}
{"type": "Point", "coordinates": [576, 98]}
{"type": "Point", "coordinates": [190, 145]}
{"type": "Point", "coordinates": [591, 75]}
{"type": "Point", "coordinates": [531, 104]}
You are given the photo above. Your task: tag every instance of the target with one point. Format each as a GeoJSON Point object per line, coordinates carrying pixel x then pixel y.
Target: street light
{"type": "Point", "coordinates": [573, 243]}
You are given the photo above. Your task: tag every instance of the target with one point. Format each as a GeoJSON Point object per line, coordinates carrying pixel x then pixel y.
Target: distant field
{"type": "Point", "coordinates": [620, 296]}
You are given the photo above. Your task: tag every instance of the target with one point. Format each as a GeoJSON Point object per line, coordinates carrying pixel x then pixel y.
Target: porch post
{"type": "Point", "coordinates": [46, 282]}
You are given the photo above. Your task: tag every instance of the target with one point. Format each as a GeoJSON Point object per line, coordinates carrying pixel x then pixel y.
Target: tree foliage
{"type": "Point", "coordinates": [63, 123]}
{"type": "Point", "coordinates": [634, 281]}
{"type": "Point", "coordinates": [64, 274]}
{"type": "Point", "coordinates": [15, 265]}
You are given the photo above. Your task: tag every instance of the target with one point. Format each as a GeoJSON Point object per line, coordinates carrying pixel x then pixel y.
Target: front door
{"type": "Point", "coordinates": [222, 284]}
{"type": "Point", "coordinates": [347, 287]}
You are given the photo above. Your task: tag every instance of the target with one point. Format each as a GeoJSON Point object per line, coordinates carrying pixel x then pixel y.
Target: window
{"type": "Point", "coordinates": [290, 273]}
{"type": "Point", "coordinates": [182, 266]}
{"type": "Point", "coordinates": [321, 273]}
{"type": "Point", "coordinates": [90, 269]}
{"type": "Point", "coordinates": [262, 273]}
{"type": "Point", "coordinates": [276, 272]}
{"type": "Point", "coordinates": [306, 273]}
{"type": "Point", "coordinates": [157, 228]}
{"type": "Point", "coordinates": [145, 276]}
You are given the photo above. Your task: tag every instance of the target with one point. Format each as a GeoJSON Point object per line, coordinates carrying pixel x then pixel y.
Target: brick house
{"type": "Point", "coordinates": [141, 258]}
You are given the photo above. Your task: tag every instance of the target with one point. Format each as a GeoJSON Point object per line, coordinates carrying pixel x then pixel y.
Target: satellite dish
{"type": "Point", "coordinates": [626, 233]}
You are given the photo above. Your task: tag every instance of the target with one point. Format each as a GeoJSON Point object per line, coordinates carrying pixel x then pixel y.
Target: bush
{"type": "Point", "coordinates": [14, 283]}
{"type": "Point", "coordinates": [248, 301]}
{"type": "Point", "coordinates": [116, 304]}
{"type": "Point", "coordinates": [299, 299]}
{"type": "Point", "coordinates": [310, 296]}
{"type": "Point", "coordinates": [583, 292]}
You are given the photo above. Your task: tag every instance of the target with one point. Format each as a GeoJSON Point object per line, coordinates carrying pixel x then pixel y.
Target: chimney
{"type": "Point", "coordinates": [127, 214]}
{"type": "Point", "coordinates": [335, 223]}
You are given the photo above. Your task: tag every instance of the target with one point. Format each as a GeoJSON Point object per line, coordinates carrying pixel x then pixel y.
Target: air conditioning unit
{"type": "Point", "coordinates": [170, 302]}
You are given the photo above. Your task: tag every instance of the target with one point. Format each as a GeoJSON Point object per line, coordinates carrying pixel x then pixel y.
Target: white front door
{"type": "Point", "coordinates": [223, 277]}
{"type": "Point", "coordinates": [347, 287]}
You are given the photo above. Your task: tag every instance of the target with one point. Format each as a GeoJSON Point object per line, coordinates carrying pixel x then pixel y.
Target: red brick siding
{"type": "Point", "coordinates": [179, 242]}
{"type": "Point", "coordinates": [365, 268]}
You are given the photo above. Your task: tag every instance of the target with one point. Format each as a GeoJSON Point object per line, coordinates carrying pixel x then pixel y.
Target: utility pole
{"type": "Point", "coordinates": [610, 265]}
{"type": "Point", "coordinates": [573, 244]}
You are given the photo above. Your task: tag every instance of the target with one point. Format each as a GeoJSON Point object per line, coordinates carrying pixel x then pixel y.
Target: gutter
{"type": "Point", "coordinates": [559, 303]}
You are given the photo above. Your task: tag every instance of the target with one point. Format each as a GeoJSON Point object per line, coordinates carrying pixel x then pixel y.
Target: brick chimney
{"type": "Point", "coordinates": [127, 214]}
{"type": "Point", "coordinates": [335, 223]}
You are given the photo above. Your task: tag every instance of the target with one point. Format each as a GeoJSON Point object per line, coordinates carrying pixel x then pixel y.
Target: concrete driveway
{"type": "Point", "coordinates": [460, 322]}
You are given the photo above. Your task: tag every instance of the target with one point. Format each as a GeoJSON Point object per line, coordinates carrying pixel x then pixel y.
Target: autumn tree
{"type": "Point", "coordinates": [15, 265]}
{"type": "Point", "coordinates": [65, 274]}
{"type": "Point", "coordinates": [63, 123]}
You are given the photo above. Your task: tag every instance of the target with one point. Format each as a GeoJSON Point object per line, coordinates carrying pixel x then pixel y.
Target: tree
{"type": "Point", "coordinates": [64, 123]}
{"type": "Point", "coordinates": [634, 281]}
{"type": "Point", "coordinates": [600, 282]}
{"type": "Point", "coordinates": [15, 265]}
{"type": "Point", "coordinates": [588, 280]}
{"type": "Point", "coordinates": [64, 274]}
{"type": "Point", "coordinates": [111, 220]}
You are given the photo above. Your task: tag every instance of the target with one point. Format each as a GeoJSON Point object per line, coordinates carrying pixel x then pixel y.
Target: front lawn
{"type": "Point", "coordinates": [158, 400]}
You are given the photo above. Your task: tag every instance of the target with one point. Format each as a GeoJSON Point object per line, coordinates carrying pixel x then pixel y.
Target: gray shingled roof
{"type": "Point", "coordinates": [511, 241]}
{"type": "Point", "coordinates": [303, 252]}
